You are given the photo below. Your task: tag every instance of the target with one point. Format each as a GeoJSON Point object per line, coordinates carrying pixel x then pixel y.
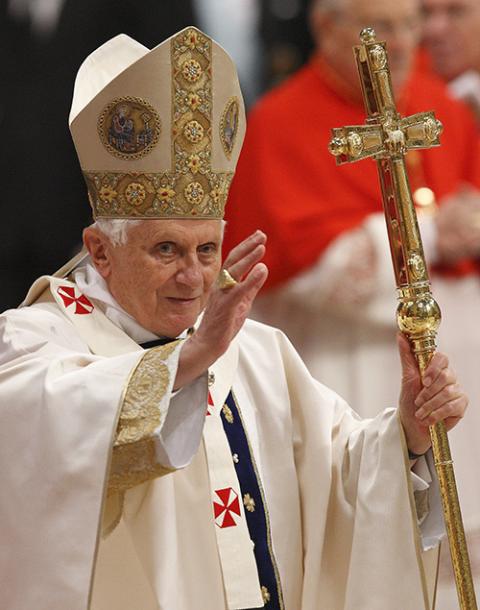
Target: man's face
{"type": "Point", "coordinates": [396, 21]}
{"type": "Point", "coordinates": [163, 274]}
{"type": "Point", "coordinates": [452, 35]}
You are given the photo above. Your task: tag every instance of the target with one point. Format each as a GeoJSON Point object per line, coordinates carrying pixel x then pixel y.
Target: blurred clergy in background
{"type": "Point", "coordinates": [451, 34]}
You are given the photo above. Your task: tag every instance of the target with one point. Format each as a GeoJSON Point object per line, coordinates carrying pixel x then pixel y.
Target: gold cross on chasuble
{"type": "Point", "coordinates": [386, 137]}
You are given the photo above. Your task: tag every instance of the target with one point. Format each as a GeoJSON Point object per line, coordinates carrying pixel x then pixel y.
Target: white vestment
{"type": "Point", "coordinates": [351, 345]}
{"type": "Point", "coordinates": [338, 490]}
{"type": "Point", "coordinates": [466, 87]}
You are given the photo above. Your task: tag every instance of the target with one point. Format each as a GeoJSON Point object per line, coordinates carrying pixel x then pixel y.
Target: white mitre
{"type": "Point", "coordinates": [158, 133]}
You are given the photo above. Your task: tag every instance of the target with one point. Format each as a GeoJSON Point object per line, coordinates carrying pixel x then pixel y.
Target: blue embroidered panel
{"type": "Point", "coordinates": [253, 501]}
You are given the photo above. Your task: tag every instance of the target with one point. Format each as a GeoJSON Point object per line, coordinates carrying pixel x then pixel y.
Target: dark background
{"type": "Point", "coordinates": [42, 196]}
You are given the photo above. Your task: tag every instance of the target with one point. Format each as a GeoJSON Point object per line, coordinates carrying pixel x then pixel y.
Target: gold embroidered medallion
{"type": "Point", "coordinates": [129, 127]}
{"type": "Point", "coordinates": [194, 132]}
{"type": "Point", "coordinates": [192, 70]}
{"type": "Point", "coordinates": [135, 193]}
{"type": "Point", "coordinates": [229, 125]}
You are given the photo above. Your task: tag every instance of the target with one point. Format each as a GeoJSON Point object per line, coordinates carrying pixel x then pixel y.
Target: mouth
{"type": "Point", "coordinates": [182, 301]}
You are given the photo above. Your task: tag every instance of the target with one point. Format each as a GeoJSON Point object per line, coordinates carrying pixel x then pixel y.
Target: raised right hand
{"type": "Point", "coordinates": [226, 309]}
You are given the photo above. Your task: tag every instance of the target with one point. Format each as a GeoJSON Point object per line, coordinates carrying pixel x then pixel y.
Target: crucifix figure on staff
{"type": "Point", "coordinates": [387, 137]}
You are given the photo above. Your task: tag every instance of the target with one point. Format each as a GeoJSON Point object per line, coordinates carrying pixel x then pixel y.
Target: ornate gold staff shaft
{"type": "Point", "coordinates": [387, 137]}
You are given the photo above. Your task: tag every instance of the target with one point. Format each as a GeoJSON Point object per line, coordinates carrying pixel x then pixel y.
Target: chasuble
{"type": "Point", "coordinates": [156, 518]}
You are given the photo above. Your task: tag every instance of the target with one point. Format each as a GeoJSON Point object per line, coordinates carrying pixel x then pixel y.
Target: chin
{"type": "Point", "coordinates": [176, 327]}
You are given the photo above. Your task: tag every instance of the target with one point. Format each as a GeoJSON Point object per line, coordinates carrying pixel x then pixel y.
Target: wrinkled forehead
{"type": "Point", "coordinates": [379, 9]}
{"type": "Point", "coordinates": [450, 7]}
{"type": "Point", "coordinates": [186, 230]}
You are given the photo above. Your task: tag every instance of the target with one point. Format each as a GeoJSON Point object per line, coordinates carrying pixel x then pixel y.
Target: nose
{"type": "Point", "coordinates": [189, 272]}
{"type": "Point", "coordinates": [436, 25]}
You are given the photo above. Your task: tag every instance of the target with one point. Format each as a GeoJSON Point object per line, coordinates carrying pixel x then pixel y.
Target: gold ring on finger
{"type": "Point", "coordinates": [225, 281]}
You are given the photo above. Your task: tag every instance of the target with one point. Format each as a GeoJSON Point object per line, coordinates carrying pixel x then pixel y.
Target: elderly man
{"type": "Point", "coordinates": [451, 31]}
{"type": "Point", "coordinates": [160, 451]}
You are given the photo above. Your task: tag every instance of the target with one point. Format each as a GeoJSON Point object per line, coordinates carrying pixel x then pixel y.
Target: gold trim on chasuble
{"type": "Point", "coordinates": [134, 458]}
{"type": "Point", "coordinates": [192, 188]}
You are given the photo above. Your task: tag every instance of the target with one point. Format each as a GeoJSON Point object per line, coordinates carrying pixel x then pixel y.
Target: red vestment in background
{"type": "Point", "coordinates": [287, 183]}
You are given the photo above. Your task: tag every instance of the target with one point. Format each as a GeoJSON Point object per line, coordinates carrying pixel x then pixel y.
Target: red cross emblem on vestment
{"type": "Point", "coordinates": [228, 506]}
{"type": "Point", "coordinates": [210, 404]}
{"type": "Point", "coordinates": [69, 296]}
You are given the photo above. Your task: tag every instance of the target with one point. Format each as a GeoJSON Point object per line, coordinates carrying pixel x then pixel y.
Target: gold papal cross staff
{"type": "Point", "coordinates": [387, 137]}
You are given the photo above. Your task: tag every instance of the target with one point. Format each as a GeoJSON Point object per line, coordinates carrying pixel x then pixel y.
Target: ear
{"type": "Point", "coordinates": [98, 246]}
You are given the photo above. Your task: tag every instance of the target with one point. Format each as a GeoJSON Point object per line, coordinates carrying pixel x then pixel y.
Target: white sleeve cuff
{"type": "Point", "coordinates": [177, 441]}
{"type": "Point", "coordinates": [428, 500]}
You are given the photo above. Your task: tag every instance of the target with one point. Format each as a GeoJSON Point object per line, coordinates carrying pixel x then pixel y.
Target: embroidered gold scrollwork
{"type": "Point", "coordinates": [134, 457]}
{"type": "Point", "coordinates": [194, 193]}
{"type": "Point", "coordinates": [135, 193]}
{"type": "Point", "coordinates": [192, 70]}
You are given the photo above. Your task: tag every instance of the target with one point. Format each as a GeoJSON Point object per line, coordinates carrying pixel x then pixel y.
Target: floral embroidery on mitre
{"type": "Point", "coordinates": [191, 39]}
{"type": "Point", "coordinates": [135, 193]}
{"type": "Point", "coordinates": [194, 163]}
{"type": "Point", "coordinates": [107, 194]}
{"type": "Point", "coordinates": [165, 193]}
{"type": "Point", "coordinates": [194, 193]}
{"type": "Point", "coordinates": [193, 100]}
{"type": "Point", "coordinates": [191, 70]}
{"type": "Point", "coordinates": [227, 510]}
{"type": "Point", "coordinates": [194, 132]}
{"type": "Point", "coordinates": [69, 296]}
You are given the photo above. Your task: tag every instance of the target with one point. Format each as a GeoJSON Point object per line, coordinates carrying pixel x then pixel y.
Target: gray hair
{"type": "Point", "coordinates": [116, 229]}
